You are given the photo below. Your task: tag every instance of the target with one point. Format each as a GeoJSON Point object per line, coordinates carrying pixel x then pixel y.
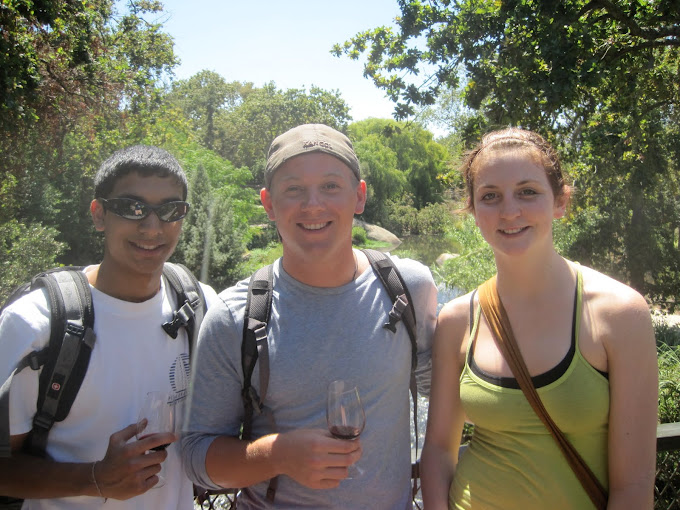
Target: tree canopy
{"type": "Point", "coordinates": [533, 58]}
{"type": "Point", "coordinates": [600, 78]}
{"type": "Point", "coordinates": [397, 159]}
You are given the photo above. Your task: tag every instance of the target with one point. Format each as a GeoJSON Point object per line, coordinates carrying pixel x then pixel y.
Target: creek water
{"type": "Point", "coordinates": [427, 249]}
{"type": "Point", "coordinates": [424, 248]}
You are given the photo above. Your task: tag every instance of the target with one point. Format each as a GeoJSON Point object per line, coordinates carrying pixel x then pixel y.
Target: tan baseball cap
{"type": "Point", "coordinates": [310, 138]}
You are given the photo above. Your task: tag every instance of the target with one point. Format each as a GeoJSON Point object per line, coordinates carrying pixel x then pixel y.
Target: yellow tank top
{"type": "Point", "coordinates": [512, 461]}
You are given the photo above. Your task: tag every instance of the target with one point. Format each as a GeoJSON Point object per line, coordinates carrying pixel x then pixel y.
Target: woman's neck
{"type": "Point", "coordinates": [532, 277]}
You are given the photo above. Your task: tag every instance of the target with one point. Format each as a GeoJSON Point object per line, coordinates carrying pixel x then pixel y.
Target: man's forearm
{"type": "Point", "coordinates": [25, 476]}
{"type": "Point", "coordinates": [231, 462]}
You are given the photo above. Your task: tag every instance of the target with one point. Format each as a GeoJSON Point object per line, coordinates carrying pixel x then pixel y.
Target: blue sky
{"type": "Point", "coordinates": [287, 42]}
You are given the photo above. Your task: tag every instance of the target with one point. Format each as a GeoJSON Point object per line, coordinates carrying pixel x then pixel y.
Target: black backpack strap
{"type": "Point", "coordinates": [255, 347]}
{"type": "Point", "coordinates": [72, 339]}
{"type": "Point", "coordinates": [190, 301]}
{"type": "Point", "coordinates": [402, 310]}
{"type": "Point", "coordinates": [65, 358]}
{"type": "Point", "coordinates": [35, 360]}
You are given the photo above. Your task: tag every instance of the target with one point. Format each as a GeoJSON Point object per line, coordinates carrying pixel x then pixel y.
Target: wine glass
{"type": "Point", "coordinates": [345, 415]}
{"type": "Point", "coordinates": [160, 417]}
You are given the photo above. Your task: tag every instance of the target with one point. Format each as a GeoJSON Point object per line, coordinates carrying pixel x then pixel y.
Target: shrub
{"type": "Point", "coordinates": [668, 346]}
{"type": "Point", "coordinates": [665, 333]}
{"type": "Point", "coordinates": [434, 219]}
{"type": "Point", "coordinates": [475, 263]}
{"type": "Point", "coordinates": [669, 383]}
{"type": "Point", "coordinates": [359, 236]}
{"type": "Point", "coordinates": [25, 250]}
{"type": "Point", "coordinates": [403, 219]}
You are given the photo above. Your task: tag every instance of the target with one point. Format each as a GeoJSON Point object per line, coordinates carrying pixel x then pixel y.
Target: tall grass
{"type": "Point", "coordinates": [668, 349]}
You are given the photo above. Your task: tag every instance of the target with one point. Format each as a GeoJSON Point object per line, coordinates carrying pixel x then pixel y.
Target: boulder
{"type": "Point", "coordinates": [444, 257]}
{"type": "Point", "coordinates": [377, 233]}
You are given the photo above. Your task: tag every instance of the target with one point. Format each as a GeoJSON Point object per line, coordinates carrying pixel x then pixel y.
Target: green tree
{"type": "Point", "coordinates": [600, 78]}
{"type": "Point", "coordinates": [197, 231]}
{"type": "Point", "coordinates": [25, 250]}
{"type": "Point", "coordinates": [203, 97]}
{"type": "Point", "coordinates": [411, 148]}
{"type": "Point", "coordinates": [74, 79]}
{"type": "Point", "coordinates": [379, 168]}
{"type": "Point", "coordinates": [247, 130]}
{"type": "Point", "coordinates": [216, 231]}
{"type": "Point", "coordinates": [532, 56]}
{"type": "Point", "coordinates": [64, 61]}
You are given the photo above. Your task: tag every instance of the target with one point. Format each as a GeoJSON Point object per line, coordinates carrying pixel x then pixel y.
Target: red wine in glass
{"type": "Point", "coordinates": [345, 431]}
{"type": "Point", "coordinates": [159, 414]}
{"type": "Point", "coordinates": [345, 414]}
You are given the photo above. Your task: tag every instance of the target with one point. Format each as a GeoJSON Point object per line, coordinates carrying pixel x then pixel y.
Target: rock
{"type": "Point", "coordinates": [444, 257]}
{"type": "Point", "coordinates": [377, 233]}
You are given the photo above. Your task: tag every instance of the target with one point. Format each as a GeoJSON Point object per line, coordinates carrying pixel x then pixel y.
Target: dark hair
{"type": "Point", "coordinates": [514, 139]}
{"type": "Point", "coordinates": [146, 160]}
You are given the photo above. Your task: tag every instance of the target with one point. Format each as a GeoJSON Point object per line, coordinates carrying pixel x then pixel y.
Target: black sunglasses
{"type": "Point", "coordinates": [132, 209]}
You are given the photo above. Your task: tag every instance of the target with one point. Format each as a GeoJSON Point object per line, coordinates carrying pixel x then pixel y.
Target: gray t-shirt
{"type": "Point", "coordinates": [317, 335]}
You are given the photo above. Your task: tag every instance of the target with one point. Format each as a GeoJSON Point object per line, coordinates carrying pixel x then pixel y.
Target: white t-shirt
{"type": "Point", "coordinates": [132, 356]}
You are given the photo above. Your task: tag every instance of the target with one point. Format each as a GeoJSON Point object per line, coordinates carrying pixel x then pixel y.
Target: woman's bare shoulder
{"type": "Point", "coordinates": [454, 317]}
{"type": "Point", "coordinates": [457, 309]}
{"type": "Point", "coordinates": [610, 294]}
{"type": "Point", "coordinates": [619, 310]}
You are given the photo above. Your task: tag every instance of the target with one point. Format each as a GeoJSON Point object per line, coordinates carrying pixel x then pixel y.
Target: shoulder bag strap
{"type": "Point", "coordinates": [499, 323]}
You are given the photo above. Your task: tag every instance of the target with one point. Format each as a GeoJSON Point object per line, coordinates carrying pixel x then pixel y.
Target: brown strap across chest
{"type": "Point", "coordinates": [501, 330]}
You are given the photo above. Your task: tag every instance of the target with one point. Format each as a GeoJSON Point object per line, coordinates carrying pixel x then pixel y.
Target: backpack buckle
{"type": "Point", "coordinates": [179, 319]}
{"type": "Point", "coordinates": [260, 332]}
{"type": "Point", "coordinates": [34, 361]}
{"type": "Point", "coordinates": [396, 312]}
{"type": "Point", "coordinates": [75, 329]}
{"type": "Point", "coordinates": [43, 421]}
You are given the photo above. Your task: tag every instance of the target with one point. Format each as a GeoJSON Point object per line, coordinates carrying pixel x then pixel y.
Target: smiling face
{"type": "Point", "coordinates": [313, 199]}
{"type": "Point", "coordinates": [135, 250]}
{"type": "Point", "coordinates": [513, 202]}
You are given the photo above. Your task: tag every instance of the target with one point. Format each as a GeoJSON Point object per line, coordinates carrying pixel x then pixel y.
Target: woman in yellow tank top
{"type": "Point", "coordinates": [587, 341]}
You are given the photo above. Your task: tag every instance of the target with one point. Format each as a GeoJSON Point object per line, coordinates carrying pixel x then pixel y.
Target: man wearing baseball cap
{"type": "Point", "coordinates": [326, 323]}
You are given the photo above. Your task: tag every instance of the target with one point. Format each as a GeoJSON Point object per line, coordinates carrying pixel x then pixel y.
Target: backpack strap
{"type": "Point", "coordinates": [190, 300]}
{"type": "Point", "coordinates": [35, 360]}
{"type": "Point", "coordinates": [402, 310]}
{"type": "Point", "coordinates": [64, 360]}
{"type": "Point", "coordinates": [255, 347]}
{"type": "Point", "coordinates": [68, 355]}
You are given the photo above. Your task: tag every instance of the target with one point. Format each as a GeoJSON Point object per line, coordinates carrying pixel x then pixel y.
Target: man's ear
{"type": "Point", "coordinates": [266, 199]}
{"type": "Point", "coordinates": [361, 197]}
{"type": "Point", "coordinates": [97, 212]}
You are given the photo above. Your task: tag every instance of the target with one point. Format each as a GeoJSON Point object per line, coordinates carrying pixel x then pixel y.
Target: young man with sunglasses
{"type": "Point", "coordinates": [93, 455]}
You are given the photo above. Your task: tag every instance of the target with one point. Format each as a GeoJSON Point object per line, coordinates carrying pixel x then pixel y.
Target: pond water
{"type": "Point", "coordinates": [426, 249]}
